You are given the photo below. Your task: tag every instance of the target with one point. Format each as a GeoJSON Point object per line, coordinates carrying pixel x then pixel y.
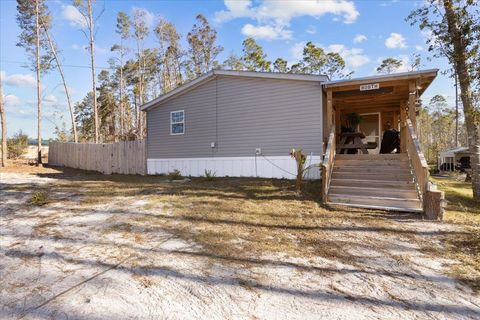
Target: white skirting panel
{"type": "Point", "coordinates": [265, 167]}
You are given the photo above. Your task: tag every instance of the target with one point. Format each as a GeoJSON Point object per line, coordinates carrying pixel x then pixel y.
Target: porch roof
{"type": "Point", "coordinates": [379, 91]}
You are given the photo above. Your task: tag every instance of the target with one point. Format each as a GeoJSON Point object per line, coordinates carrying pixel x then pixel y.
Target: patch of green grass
{"type": "Point", "coordinates": [462, 209]}
{"type": "Point", "coordinates": [175, 175]}
{"type": "Point", "coordinates": [39, 198]}
{"type": "Point", "coordinates": [209, 175]}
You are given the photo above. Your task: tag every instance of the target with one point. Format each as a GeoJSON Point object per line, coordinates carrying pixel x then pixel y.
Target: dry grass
{"type": "Point", "coordinates": [238, 220]}
{"type": "Point", "coordinates": [26, 166]}
{"type": "Point", "coordinates": [465, 247]}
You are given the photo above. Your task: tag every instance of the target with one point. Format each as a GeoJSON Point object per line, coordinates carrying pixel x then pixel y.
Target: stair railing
{"type": "Point", "coordinates": [327, 164]}
{"type": "Point", "coordinates": [419, 164]}
{"type": "Point", "coordinates": [432, 199]}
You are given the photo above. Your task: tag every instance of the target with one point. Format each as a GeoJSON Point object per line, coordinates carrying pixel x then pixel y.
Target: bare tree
{"type": "Point", "coordinates": [30, 16]}
{"type": "Point", "coordinates": [140, 32]}
{"type": "Point", "coordinates": [4, 127]}
{"type": "Point", "coordinates": [62, 75]}
{"type": "Point", "coordinates": [85, 9]}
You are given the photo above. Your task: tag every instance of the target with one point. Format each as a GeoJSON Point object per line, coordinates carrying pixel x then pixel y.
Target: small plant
{"type": "Point", "coordinates": [209, 175]}
{"type": "Point", "coordinates": [175, 175]}
{"type": "Point", "coordinates": [39, 198]}
{"type": "Point", "coordinates": [17, 145]}
{"type": "Point", "coordinates": [353, 120]}
{"type": "Point", "coordinates": [300, 158]}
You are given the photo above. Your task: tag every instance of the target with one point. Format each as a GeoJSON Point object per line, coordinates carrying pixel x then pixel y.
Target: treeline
{"type": "Point", "coordinates": [437, 128]}
{"type": "Point", "coordinates": [138, 74]}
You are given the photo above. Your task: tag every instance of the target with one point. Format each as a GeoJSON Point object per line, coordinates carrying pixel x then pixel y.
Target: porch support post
{"type": "Point", "coordinates": [412, 97]}
{"type": "Point", "coordinates": [403, 127]}
{"type": "Point", "coordinates": [329, 115]}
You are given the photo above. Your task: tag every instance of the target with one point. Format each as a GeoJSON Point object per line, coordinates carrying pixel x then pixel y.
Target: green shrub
{"type": "Point", "coordinates": [209, 175]}
{"type": "Point", "coordinates": [17, 145]}
{"type": "Point", "coordinates": [175, 175]}
{"type": "Point", "coordinates": [39, 198]}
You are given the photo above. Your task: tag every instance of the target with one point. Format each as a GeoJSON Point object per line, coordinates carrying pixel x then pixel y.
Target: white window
{"type": "Point", "coordinates": [177, 122]}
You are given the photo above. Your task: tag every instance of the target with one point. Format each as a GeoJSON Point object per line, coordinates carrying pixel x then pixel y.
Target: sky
{"type": "Point", "coordinates": [363, 32]}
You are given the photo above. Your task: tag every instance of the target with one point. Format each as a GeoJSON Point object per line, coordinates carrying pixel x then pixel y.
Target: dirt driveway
{"type": "Point", "coordinates": [145, 248]}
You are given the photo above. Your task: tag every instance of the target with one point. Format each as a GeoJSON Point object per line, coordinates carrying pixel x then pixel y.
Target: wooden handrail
{"type": "Point", "coordinates": [327, 164]}
{"type": "Point", "coordinates": [419, 164]}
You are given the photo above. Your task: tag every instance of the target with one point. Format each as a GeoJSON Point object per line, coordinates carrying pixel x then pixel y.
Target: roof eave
{"type": "Point", "coordinates": [213, 73]}
{"type": "Point", "coordinates": [382, 78]}
{"type": "Point", "coordinates": [190, 85]}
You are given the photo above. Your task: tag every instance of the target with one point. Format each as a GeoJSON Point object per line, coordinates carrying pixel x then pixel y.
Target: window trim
{"type": "Point", "coordinates": [172, 123]}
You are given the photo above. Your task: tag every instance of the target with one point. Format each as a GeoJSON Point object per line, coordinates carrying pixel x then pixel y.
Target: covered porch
{"type": "Point", "coordinates": [380, 103]}
{"type": "Point", "coordinates": [379, 100]}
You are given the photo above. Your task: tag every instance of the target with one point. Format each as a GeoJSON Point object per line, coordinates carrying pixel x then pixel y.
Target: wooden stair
{"type": "Point", "coordinates": [377, 181]}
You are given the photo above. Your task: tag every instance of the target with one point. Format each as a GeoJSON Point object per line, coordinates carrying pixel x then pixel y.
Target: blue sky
{"type": "Point", "coordinates": [364, 32]}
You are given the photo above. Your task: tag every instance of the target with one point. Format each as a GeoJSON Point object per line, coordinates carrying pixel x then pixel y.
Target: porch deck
{"type": "Point", "coordinates": [397, 182]}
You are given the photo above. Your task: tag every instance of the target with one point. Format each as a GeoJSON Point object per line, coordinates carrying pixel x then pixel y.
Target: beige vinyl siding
{"type": "Point", "coordinates": [271, 114]}
{"type": "Point", "coordinates": [199, 107]}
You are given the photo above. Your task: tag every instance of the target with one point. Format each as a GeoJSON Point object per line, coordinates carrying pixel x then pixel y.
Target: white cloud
{"type": "Point", "coordinates": [83, 48]}
{"type": "Point", "coordinates": [274, 17]}
{"type": "Point", "coordinates": [79, 47]}
{"type": "Point", "coordinates": [11, 100]}
{"type": "Point", "coordinates": [18, 80]}
{"type": "Point", "coordinates": [73, 16]}
{"type": "Point", "coordinates": [50, 100]}
{"type": "Point", "coordinates": [311, 29]}
{"type": "Point", "coordinates": [419, 48]}
{"type": "Point", "coordinates": [296, 51]}
{"type": "Point", "coordinates": [359, 38]}
{"type": "Point", "coordinates": [266, 32]}
{"type": "Point", "coordinates": [396, 40]}
{"type": "Point", "coordinates": [71, 90]}
{"type": "Point", "coordinates": [354, 57]}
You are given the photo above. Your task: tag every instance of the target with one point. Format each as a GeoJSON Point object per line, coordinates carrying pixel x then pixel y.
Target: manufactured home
{"type": "Point", "coordinates": [244, 124]}
{"type": "Point", "coordinates": [454, 159]}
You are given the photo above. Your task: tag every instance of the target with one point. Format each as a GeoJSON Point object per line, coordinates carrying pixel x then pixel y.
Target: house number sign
{"type": "Point", "coordinates": [370, 86]}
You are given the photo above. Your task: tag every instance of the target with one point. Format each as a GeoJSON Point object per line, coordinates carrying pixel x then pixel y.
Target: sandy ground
{"type": "Point", "coordinates": [73, 260]}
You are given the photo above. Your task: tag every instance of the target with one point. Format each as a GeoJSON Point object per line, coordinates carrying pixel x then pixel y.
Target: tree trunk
{"type": "Point", "coordinates": [92, 60]}
{"type": "Point", "coordinates": [140, 90]}
{"type": "Point", "coordinates": [4, 127]}
{"type": "Point", "coordinates": [460, 63]}
{"type": "Point", "coordinates": [67, 93]}
{"type": "Point", "coordinates": [122, 113]}
{"type": "Point", "coordinates": [39, 98]}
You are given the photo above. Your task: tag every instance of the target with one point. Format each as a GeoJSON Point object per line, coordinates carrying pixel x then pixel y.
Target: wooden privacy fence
{"type": "Point", "coordinates": [125, 157]}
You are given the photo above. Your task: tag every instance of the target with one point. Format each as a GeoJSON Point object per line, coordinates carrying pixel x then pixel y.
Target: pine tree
{"type": "Point", "coordinates": [170, 54]}
{"type": "Point", "coordinates": [85, 118]}
{"type": "Point", "coordinates": [123, 30]}
{"type": "Point", "coordinates": [389, 65]}
{"type": "Point", "coordinates": [202, 48]}
{"type": "Point", "coordinates": [280, 65]}
{"type": "Point", "coordinates": [455, 32]}
{"type": "Point", "coordinates": [140, 32]}
{"type": "Point", "coordinates": [253, 56]}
